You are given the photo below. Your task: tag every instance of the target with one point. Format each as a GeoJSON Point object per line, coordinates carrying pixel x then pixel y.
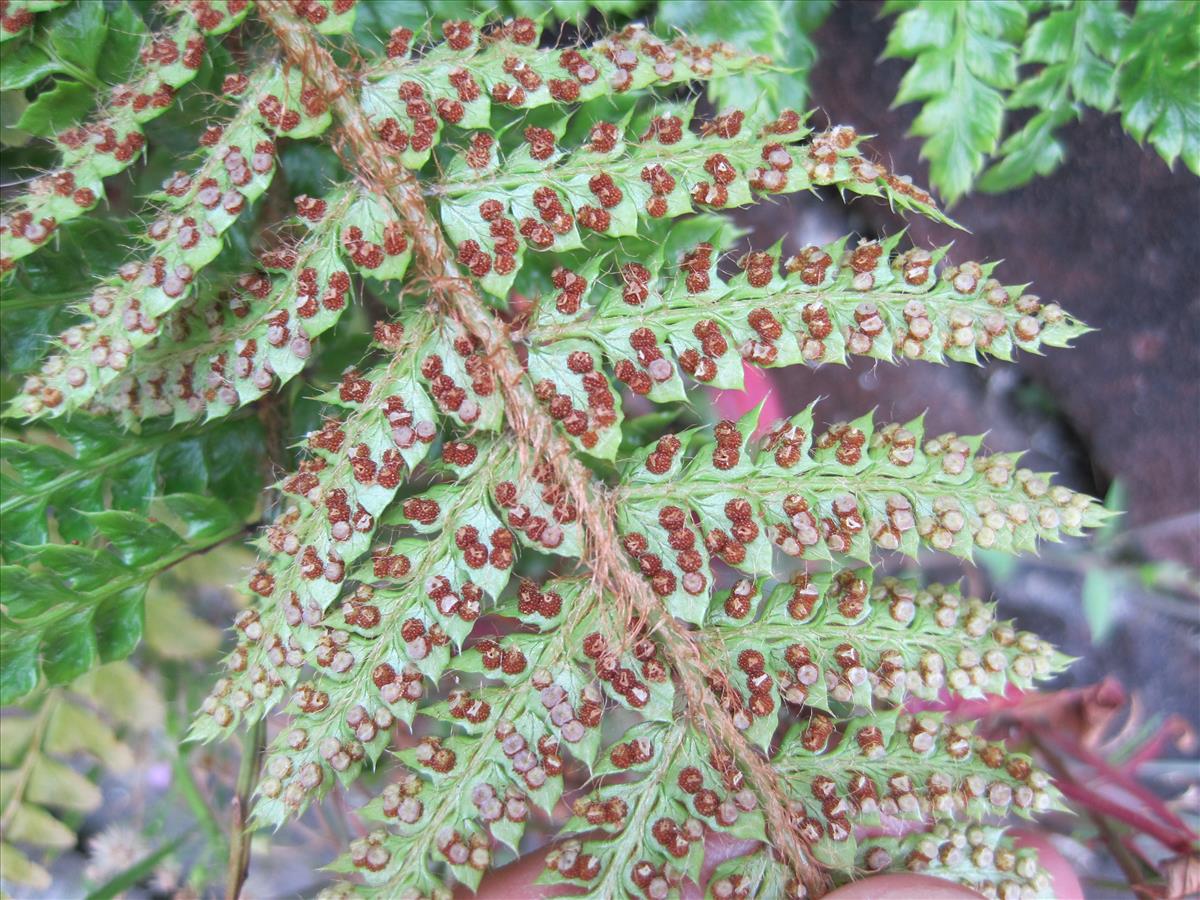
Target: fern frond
{"type": "Point", "coordinates": [1160, 59]}
{"type": "Point", "coordinates": [90, 153]}
{"type": "Point", "coordinates": [965, 74]}
{"type": "Point", "coordinates": [45, 488]}
{"type": "Point", "coordinates": [852, 490]}
{"type": "Point", "coordinates": [66, 607]}
{"type": "Point", "coordinates": [383, 595]}
{"type": "Point", "coordinates": [235, 166]}
{"type": "Point", "coordinates": [830, 303]}
{"type": "Point", "coordinates": [964, 57]}
{"type": "Point", "coordinates": [1077, 48]}
{"type": "Point", "coordinates": [340, 711]}
{"type": "Point", "coordinates": [538, 197]}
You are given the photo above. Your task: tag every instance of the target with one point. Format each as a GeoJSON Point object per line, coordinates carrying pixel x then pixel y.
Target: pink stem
{"type": "Point", "coordinates": [1097, 803]}
{"type": "Point", "coordinates": [1170, 730]}
{"type": "Point", "coordinates": [1108, 772]}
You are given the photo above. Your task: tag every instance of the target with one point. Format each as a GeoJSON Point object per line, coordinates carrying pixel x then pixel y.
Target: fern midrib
{"type": "Point", "coordinates": [89, 468]}
{"type": "Point", "coordinates": [691, 157]}
{"type": "Point", "coordinates": [137, 576]}
{"type": "Point", "coordinates": [866, 632]}
{"type": "Point", "coordinates": [767, 487]}
{"type": "Point", "coordinates": [601, 324]}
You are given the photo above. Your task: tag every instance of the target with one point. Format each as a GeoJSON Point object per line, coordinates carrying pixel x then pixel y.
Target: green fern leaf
{"type": "Point", "coordinates": [964, 57]}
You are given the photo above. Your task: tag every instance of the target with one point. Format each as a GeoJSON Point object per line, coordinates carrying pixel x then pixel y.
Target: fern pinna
{"type": "Point", "coordinates": [468, 563]}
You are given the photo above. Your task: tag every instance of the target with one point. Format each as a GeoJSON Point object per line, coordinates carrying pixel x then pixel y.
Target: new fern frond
{"type": "Point", "coordinates": [695, 623]}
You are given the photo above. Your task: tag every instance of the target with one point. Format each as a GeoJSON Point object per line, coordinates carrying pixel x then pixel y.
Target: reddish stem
{"type": "Point", "coordinates": [1172, 730]}
{"type": "Point", "coordinates": [1101, 804]}
{"type": "Point", "coordinates": [1107, 772]}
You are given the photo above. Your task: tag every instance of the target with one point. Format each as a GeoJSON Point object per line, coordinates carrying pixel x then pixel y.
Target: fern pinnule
{"type": "Point", "coordinates": [870, 645]}
{"type": "Point", "coordinates": [19, 15]}
{"type": "Point", "coordinates": [353, 470]}
{"type": "Point", "coordinates": [828, 304]}
{"type": "Point", "coordinates": [868, 303]}
{"type": "Point", "coordinates": [846, 492]}
{"type": "Point", "coordinates": [540, 197]}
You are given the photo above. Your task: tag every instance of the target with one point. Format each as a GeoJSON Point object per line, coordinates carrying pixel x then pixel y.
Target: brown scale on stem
{"type": "Point", "coordinates": [434, 262]}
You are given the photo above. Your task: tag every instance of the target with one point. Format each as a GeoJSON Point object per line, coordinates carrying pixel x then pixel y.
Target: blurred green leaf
{"type": "Point", "coordinates": [75, 729]}
{"type": "Point", "coordinates": [53, 727]}
{"type": "Point", "coordinates": [1158, 83]}
{"type": "Point", "coordinates": [25, 64]}
{"type": "Point", "coordinates": [1099, 593]}
{"type": "Point", "coordinates": [1169, 575]}
{"type": "Point", "coordinates": [33, 825]}
{"type": "Point", "coordinates": [125, 33]}
{"type": "Point", "coordinates": [124, 694]}
{"type": "Point", "coordinates": [76, 33]}
{"type": "Point", "coordinates": [172, 632]}
{"type": "Point", "coordinates": [310, 168]}
{"type": "Point", "coordinates": [57, 785]}
{"type": "Point", "coordinates": [19, 868]}
{"type": "Point", "coordinates": [57, 109]}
